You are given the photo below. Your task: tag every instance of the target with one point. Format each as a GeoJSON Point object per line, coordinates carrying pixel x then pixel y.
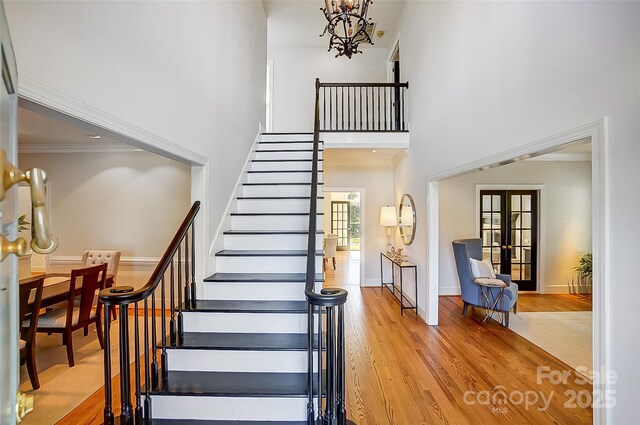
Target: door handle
{"type": "Point", "coordinates": [506, 247]}
{"type": "Point", "coordinates": [42, 242]}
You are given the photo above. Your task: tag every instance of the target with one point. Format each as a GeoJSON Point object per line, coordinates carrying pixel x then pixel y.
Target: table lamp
{"type": "Point", "coordinates": [388, 218]}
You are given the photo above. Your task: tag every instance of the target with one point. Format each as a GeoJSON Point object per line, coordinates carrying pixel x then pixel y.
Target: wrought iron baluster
{"type": "Point", "coordinates": [154, 344]}
{"type": "Point", "coordinates": [349, 108]}
{"type": "Point", "coordinates": [179, 289]}
{"type": "Point", "coordinates": [126, 415]}
{"type": "Point", "coordinates": [163, 353]}
{"type": "Point", "coordinates": [172, 321]}
{"type": "Point", "coordinates": [193, 265]}
{"type": "Point", "coordinates": [310, 330]}
{"type": "Point", "coordinates": [136, 364]}
{"type": "Point", "coordinates": [320, 366]}
{"type": "Point", "coordinates": [187, 286]}
{"type": "Point", "coordinates": [108, 394]}
{"type": "Point", "coordinates": [341, 397]}
{"type": "Point", "coordinates": [147, 377]}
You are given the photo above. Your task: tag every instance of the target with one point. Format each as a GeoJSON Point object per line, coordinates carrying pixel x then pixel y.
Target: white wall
{"type": "Point", "coordinates": [192, 73]}
{"type": "Point", "coordinates": [295, 71]}
{"type": "Point", "coordinates": [565, 209]}
{"type": "Point", "coordinates": [378, 184]}
{"type": "Point", "coordinates": [487, 77]}
{"type": "Point", "coordinates": [129, 201]}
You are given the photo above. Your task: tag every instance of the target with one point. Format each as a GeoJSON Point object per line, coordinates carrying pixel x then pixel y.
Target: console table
{"type": "Point", "coordinates": [391, 286]}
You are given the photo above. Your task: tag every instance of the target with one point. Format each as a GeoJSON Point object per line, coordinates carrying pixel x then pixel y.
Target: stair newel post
{"type": "Point", "coordinates": [193, 265]}
{"type": "Point", "coordinates": [147, 377]}
{"type": "Point", "coordinates": [179, 289]}
{"type": "Point", "coordinates": [136, 363]}
{"type": "Point", "coordinates": [163, 337]}
{"type": "Point", "coordinates": [108, 396]}
{"type": "Point", "coordinates": [342, 413]}
{"type": "Point", "coordinates": [172, 300]}
{"type": "Point", "coordinates": [310, 409]}
{"type": "Point", "coordinates": [154, 344]}
{"type": "Point", "coordinates": [126, 416]}
{"type": "Point", "coordinates": [320, 365]}
{"type": "Point", "coordinates": [330, 403]}
{"type": "Point", "coordinates": [187, 290]}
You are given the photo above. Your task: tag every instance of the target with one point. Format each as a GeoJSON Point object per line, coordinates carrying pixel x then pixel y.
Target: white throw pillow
{"type": "Point", "coordinates": [482, 268]}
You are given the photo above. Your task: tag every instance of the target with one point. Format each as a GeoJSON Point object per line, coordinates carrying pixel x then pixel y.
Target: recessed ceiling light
{"type": "Point", "coordinates": [94, 136]}
{"type": "Point", "coordinates": [374, 151]}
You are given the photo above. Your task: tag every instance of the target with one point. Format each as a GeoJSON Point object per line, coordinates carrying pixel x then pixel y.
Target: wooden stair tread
{"type": "Point", "coordinates": [264, 253]}
{"type": "Point", "coordinates": [249, 306]}
{"type": "Point", "coordinates": [244, 341]}
{"type": "Point", "coordinates": [234, 384]}
{"type": "Point", "coordinates": [261, 277]}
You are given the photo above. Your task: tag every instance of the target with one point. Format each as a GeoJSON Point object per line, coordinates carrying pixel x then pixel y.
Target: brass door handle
{"type": "Point", "coordinates": [506, 247]}
{"type": "Point", "coordinates": [43, 242]}
{"type": "Point", "coordinates": [17, 247]}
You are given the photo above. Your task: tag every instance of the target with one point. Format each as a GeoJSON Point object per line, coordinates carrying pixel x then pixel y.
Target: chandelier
{"type": "Point", "coordinates": [347, 25]}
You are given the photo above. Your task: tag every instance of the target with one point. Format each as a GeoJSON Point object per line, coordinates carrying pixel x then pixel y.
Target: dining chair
{"type": "Point", "coordinates": [111, 258]}
{"type": "Point", "coordinates": [29, 308]}
{"type": "Point", "coordinates": [80, 315]}
{"type": "Point", "coordinates": [330, 248]}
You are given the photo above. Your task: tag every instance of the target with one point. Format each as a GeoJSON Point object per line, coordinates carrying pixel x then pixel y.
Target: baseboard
{"type": "Point", "coordinates": [370, 283]}
{"type": "Point", "coordinates": [556, 289]}
{"type": "Point", "coordinates": [449, 290]}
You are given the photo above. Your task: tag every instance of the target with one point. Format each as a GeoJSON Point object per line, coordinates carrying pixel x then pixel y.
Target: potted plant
{"type": "Point", "coordinates": [585, 274]}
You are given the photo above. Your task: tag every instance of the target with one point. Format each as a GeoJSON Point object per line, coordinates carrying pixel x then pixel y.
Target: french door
{"type": "Point", "coordinates": [340, 216]}
{"type": "Point", "coordinates": [509, 232]}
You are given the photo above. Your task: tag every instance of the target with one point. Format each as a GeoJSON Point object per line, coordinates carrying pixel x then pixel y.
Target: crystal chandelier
{"type": "Point", "coordinates": [347, 25]}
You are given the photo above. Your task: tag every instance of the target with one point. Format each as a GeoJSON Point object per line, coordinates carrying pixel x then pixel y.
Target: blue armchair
{"type": "Point", "coordinates": [463, 250]}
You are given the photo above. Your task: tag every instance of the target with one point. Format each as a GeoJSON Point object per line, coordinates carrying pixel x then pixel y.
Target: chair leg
{"type": "Point", "coordinates": [464, 309]}
{"type": "Point", "coordinates": [32, 370]}
{"type": "Point", "coordinates": [324, 264]}
{"type": "Point", "coordinates": [86, 330]}
{"type": "Point", "coordinates": [515, 308]}
{"type": "Point", "coordinates": [113, 313]}
{"type": "Point", "coordinates": [334, 263]}
{"type": "Point", "coordinates": [69, 339]}
{"type": "Point", "coordinates": [506, 319]}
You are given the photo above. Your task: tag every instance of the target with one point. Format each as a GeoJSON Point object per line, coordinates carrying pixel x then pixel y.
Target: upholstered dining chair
{"type": "Point", "coordinates": [93, 257]}
{"type": "Point", "coordinates": [463, 251]}
{"type": "Point", "coordinates": [28, 311]}
{"type": "Point", "coordinates": [330, 248]}
{"type": "Point", "coordinates": [80, 315]}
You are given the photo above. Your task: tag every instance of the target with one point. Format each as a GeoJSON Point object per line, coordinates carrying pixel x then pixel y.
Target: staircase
{"type": "Point", "coordinates": [243, 356]}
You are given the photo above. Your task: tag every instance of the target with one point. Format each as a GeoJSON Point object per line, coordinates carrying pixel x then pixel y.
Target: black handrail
{"type": "Point", "coordinates": [363, 107]}
{"type": "Point", "coordinates": [122, 297]}
{"type": "Point", "coordinates": [330, 332]}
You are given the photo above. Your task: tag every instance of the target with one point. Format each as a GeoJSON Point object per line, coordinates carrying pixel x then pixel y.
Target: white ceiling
{"type": "Point", "coordinates": [299, 23]}
{"type": "Point", "coordinates": [39, 133]}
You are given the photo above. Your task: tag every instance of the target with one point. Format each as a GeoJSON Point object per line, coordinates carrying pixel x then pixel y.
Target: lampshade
{"type": "Point", "coordinates": [388, 216]}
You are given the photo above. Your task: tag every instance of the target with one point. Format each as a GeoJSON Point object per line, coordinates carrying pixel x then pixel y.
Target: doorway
{"type": "Point", "coordinates": [509, 232]}
{"type": "Point", "coordinates": [343, 209]}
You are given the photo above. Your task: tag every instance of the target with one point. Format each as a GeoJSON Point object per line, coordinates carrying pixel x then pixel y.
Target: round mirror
{"type": "Point", "coordinates": [407, 219]}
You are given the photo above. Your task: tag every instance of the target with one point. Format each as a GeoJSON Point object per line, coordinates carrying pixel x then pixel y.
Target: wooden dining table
{"type": "Point", "coordinates": [56, 287]}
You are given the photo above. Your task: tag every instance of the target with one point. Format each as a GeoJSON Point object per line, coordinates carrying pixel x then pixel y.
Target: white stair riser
{"type": "Point", "coordinates": [243, 242]}
{"type": "Point", "coordinates": [282, 177]}
{"type": "Point", "coordinates": [288, 145]}
{"type": "Point", "coordinates": [278, 190]}
{"type": "Point", "coordinates": [272, 222]}
{"type": "Point", "coordinates": [276, 205]}
{"type": "Point", "coordinates": [283, 165]}
{"type": "Point", "coordinates": [239, 361]}
{"type": "Point", "coordinates": [264, 264]}
{"type": "Point", "coordinates": [245, 322]}
{"type": "Point", "coordinates": [266, 291]}
{"type": "Point", "coordinates": [229, 408]}
{"type": "Point", "coordinates": [287, 137]}
{"type": "Point", "coordinates": [302, 154]}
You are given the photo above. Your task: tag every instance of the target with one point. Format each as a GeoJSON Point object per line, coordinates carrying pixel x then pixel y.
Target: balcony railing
{"type": "Point", "coordinates": [363, 107]}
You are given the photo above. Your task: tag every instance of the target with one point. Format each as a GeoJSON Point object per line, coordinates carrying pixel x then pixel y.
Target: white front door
{"type": "Point", "coordinates": [9, 361]}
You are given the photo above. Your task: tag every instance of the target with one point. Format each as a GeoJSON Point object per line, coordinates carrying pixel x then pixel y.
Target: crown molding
{"type": "Point", "coordinates": [106, 147]}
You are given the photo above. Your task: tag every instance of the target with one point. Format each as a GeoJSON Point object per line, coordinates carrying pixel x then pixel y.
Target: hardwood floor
{"type": "Point", "coordinates": [538, 302]}
{"type": "Point", "coordinates": [402, 372]}
{"type": "Point", "coordinates": [347, 272]}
